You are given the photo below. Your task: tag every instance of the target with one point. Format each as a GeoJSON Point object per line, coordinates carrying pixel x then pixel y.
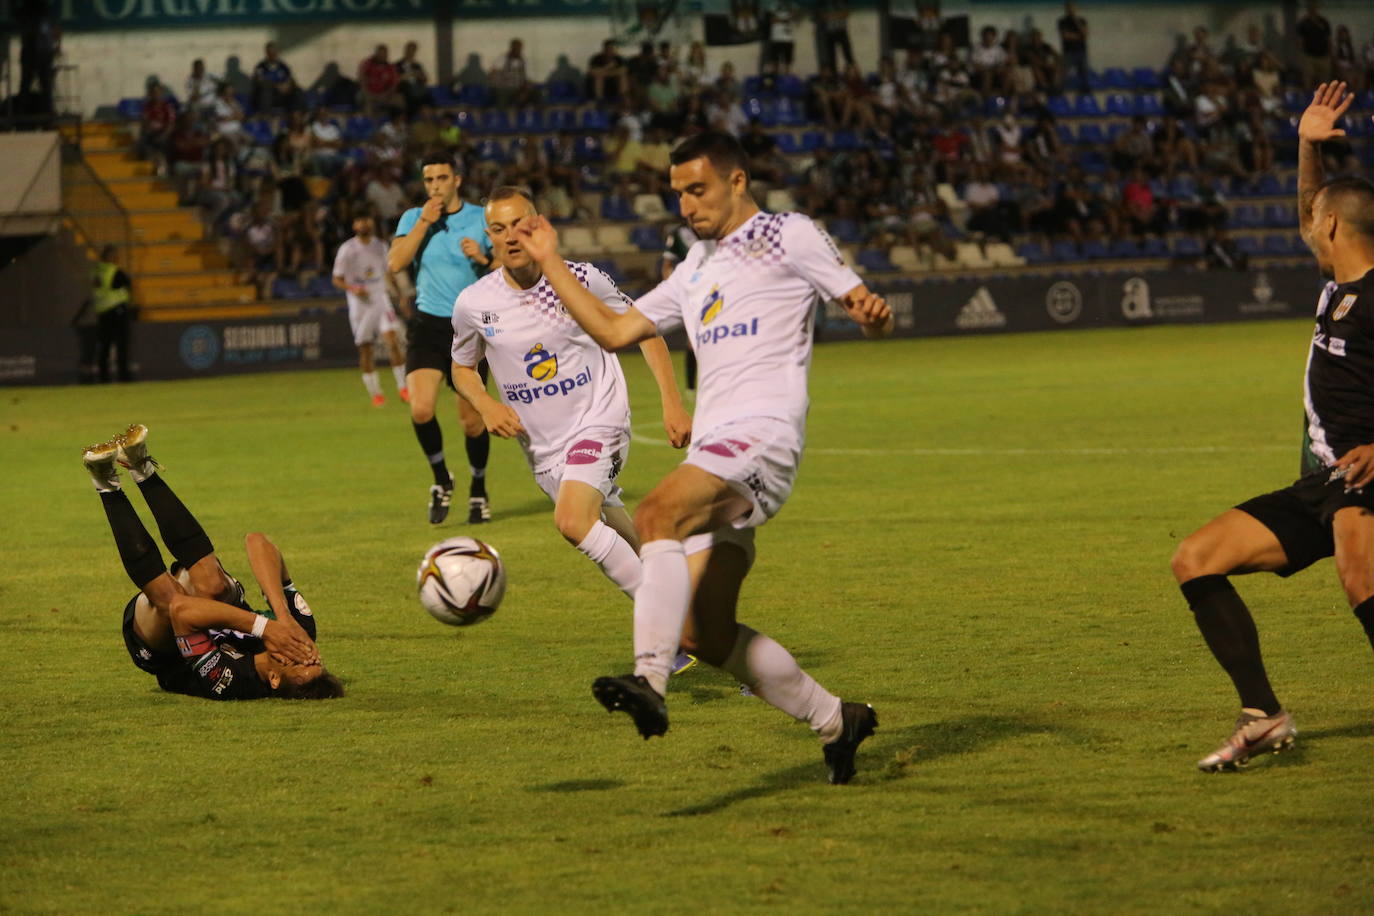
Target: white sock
{"type": "Point", "coordinates": [661, 604]}
{"type": "Point", "coordinates": [617, 559]}
{"type": "Point", "coordinates": [370, 382]}
{"type": "Point", "coordinates": [773, 675]}
{"type": "Point", "coordinates": [399, 373]}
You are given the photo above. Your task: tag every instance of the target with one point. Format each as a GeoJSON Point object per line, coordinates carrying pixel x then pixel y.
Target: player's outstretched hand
{"type": "Point", "coordinates": [869, 311]}
{"type": "Point", "coordinates": [1358, 464]}
{"type": "Point", "coordinates": [677, 423]}
{"type": "Point", "coordinates": [502, 421]}
{"type": "Point", "coordinates": [1329, 102]}
{"type": "Point", "coordinates": [538, 237]}
{"type": "Point", "coordinates": [289, 641]}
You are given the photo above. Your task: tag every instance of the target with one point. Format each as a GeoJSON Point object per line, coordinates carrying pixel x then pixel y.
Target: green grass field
{"type": "Point", "coordinates": [978, 545]}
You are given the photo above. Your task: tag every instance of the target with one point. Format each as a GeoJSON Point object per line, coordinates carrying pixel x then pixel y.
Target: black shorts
{"type": "Point", "coordinates": [429, 345]}
{"type": "Point", "coordinates": [1300, 516]}
{"type": "Point", "coordinates": [171, 671]}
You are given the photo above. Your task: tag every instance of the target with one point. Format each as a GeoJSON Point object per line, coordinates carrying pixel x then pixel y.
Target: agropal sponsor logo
{"type": "Point", "coordinates": [542, 366]}
{"type": "Point", "coordinates": [1139, 304]}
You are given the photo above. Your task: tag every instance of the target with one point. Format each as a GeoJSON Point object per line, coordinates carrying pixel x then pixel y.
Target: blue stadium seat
{"type": "Point", "coordinates": [1148, 105]}
{"type": "Point", "coordinates": [530, 121]}
{"type": "Point", "coordinates": [1033, 252]}
{"type": "Point", "coordinates": [259, 131]}
{"type": "Point", "coordinates": [321, 288]}
{"type": "Point", "coordinates": [474, 95]}
{"type": "Point", "coordinates": [288, 288]}
{"type": "Point", "coordinates": [563, 92]}
{"type": "Point", "coordinates": [1091, 134]}
{"type": "Point", "coordinates": [1154, 247]}
{"type": "Point", "coordinates": [466, 121]}
{"type": "Point", "coordinates": [442, 97]}
{"type": "Point", "coordinates": [1096, 250]}
{"type": "Point", "coordinates": [1246, 216]}
{"type": "Point", "coordinates": [593, 179]}
{"type": "Point", "coordinates": [1276, 245]}
{"type": "Point", "coordinates": [1249, 245]}
{"type": "Point", "coordinates": [595, 119]}
{"type": "Point", "coordinates": [1365, 100]}
{"type": "Point", "coordinates": [1064, 250]}
{"type": "Point", "coordinates": [994, 106]}
{"type": "Point", "coordinates": [1268, 184]}
{"type": "Point", "coordinates": [589, 149]}
{"type": "Point", "coordinates": [846, 230]}
{"type": "Point", "coordinates": [1116, 129]}
{"type": "Point", "coordinates": [1096, 81]}
{"type": "Point", "coordinates": [1183, 186]}
{"type": "Point", "coordinates": [1059, 106]}
{"type": "Point", "coordinates": [1145, 78]}
{"type": "Point", "coordinates": [792, 86]}
{"type": "Point", "coordinates": [496, 121]}
{"type": "Point", "coordinates": [130, 109]}
{"type": "Point", "coordinates": [491, 151]}
{"type": "Point", "coordinates": [1065, 133]}
{"type": "Point", "coordinates": [358, 128]}
{"type": "Point", "coordinates": [1117, 78]}
{"type": "Point", "coordinates": [787, 143]}
{"type": "Point", "coordinates": [1187, 247]}
{"type": "Point", "coordinates": [1086, 106]}
{"type": "Point", "coordinates": [1124, 248]}
{"type": "Point", "coordinates": [1295, 100]}
{"type": "Point", "coordinates": [876, 260]}
{"type": "Point", "coordinates": [790, 112]}
{"type": "Point", "coordinates": [1120, 106]}
{"type": "Point", "coordinates": [560, 119]}
{"type": "Point", "coordinates": [1158, 188]}
{"type": "Point", "coordinates": [812, 140]}
{"type": "Point", "coordinates": [646, 238]}
{"type": "Point", "coordinates": [1093, 161]}
{"type": "Point", "coordinates": [1297, 245]}
{"type": "Point", "coordinates": [617, 208]}
{"type": "Point", "coordinates": [844, 140]}
{"type": "Point", "coordinates": [1279, 216]}
{"type": "Point", "coordinates": [753, 85]}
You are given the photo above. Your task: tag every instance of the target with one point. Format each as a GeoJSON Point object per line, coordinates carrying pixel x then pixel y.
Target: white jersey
{"type": "Point", "coordinates": [558, 380]}
{"type": "Point", "coordinates": [748, 304]}
{"type": "Point", "coordinates": [364, 265]}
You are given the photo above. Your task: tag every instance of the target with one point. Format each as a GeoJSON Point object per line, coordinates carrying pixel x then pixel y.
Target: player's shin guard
{"type": "Point", "coordinates": [773, 675]}
{"type": "Point", "coordinates": [180, 531]}
{"type": "Point", "coordinates": [1230, 633]}
{"type": "Point", "coordinates": [661, 605]}
{"type": "Point", "coordinates": [431, 439]}
{"type": "Point", "coordinates": [1364, 612]}
{"type": "Point", "coordinates": [137, 550]}
{"type": "Point", "coordinates": [479, 450]}
{"type": "Point", "coordinates": [617, 559]}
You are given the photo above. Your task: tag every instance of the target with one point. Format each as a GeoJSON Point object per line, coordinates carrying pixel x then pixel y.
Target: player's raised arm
{"type": "Point", "coordinates": [677, 422]}
{"type": "Point", "coordinates": [269, 569]}
{"type": "Point", "coordinates": [192, 614]}
{"type": "Point", "coordinates": [404, 247]}
{"type": "Point", "coordinates": [499, 419]}
{"type": "Point", "coordinates": [1317, 125]}
{"type": "Point", "coordinates": [613, 330]}
{"type": "Point", "coordinates": [869, 311]}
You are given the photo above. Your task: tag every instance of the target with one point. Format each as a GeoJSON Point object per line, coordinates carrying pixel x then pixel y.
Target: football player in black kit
{"type": "Point", "coordinates": [191, 628]}
{"type": "Point", "coordinates": [1329, 511]}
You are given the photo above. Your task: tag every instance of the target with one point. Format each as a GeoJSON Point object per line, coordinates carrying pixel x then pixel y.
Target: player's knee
{"type": "Point", "coordinates": [473, 426]}
{"type": "Point", "coordinates": [1190, 560]}
{"type": "Point", "coordinates": [207, 579]}
{"type": "Point", "coordinates": [574, 526]}
{"type": "Point", "coordinates": [1357, 579]}
{"type": "Point", "coordinates": [421, 413]}
{"type": "Point", "coordinates": [655, 518]}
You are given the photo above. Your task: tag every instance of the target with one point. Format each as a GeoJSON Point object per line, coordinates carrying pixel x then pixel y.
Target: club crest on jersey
{"type": "Point", "coordinates": [541, 365]}
{"type": "Point", "coordinates": [712, 306]}
{"type": "Point", "coordinates": [1347, 303]}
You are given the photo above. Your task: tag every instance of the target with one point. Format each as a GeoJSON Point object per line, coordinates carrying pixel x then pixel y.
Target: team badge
{"type": "Point", "coordinates": [756, 247]}
{"type": "Point", "coordinates": [1347, 303]}
{"type": "Point", "coordinates": [711, 308]}
{"type": "Point", "coordinates": [541, 364]}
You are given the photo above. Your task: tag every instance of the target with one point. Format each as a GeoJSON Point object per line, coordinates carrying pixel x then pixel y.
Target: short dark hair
{"type": "Point", "coordinates": [440, 158]}
{"type": "Point", "coordinates": [1354, 196]}
{"type": "Point", "coordinates": [722, 150]}
{"type": "Point", "coordinates": [507, 191]}
{"type": "Point", "coordinates": [325, 687]}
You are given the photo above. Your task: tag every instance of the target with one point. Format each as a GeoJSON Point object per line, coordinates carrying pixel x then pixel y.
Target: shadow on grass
{"type": "Point", "coordinates": [1355, 730]}
{"type": "Point", "coordinates": [580, 785]}
{"type": "Point", "coordinates": [891, 755]}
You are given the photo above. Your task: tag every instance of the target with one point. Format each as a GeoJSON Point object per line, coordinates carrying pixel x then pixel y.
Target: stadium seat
{"type": "Point", "coordinates": [1060, 106]}
{"type": "Point", "coordinates": [442, 97]}
{"type": "Point", "coordinates": [650, 207]}
{"type": "Point", "coordinates": [792, 86]}
{"type": "Point", "coordinates": [358, 128]}
{"type": "Point", "coordinates": [1120, 106]}
{"type": "Point", "coordinates": [958, 210]}
{"type": "Point", "coordinates": [787, 143]}
{"type": "Point", "coordinates": [474, 96]}
{"type": "Point", "coordinates": [1246, 216]}
{"type": "Point", "coordinates": [1122, 249]}
{"type": "Point", "coordinates": [646, 238]}
{"type": "Point", "coordinates": [130, 109]}
{"type": "Point", "coordinates": [1268, 185]}
{"type": "Point", "coordinates": [812, 140]}
{"type": "Point", "coordinates": [577, 240]}
{"type": "Point", "coordinates": [1295, 100]}
{"type": "Point", "coordinates": [1276, 245]}
{"type": "Point", "coordinates": [1064, 250]}
{"type": "Point", "coordinates": [1000, 255]}
{"type": "Point", "coordinates": [563, 92]}
{"type": "Point", "coordinates": [844, 140]}
{"type": "Point", "coordinates": [1033, 252]}
{"type": "Point", "coordinates": [1065, 133]}
{"type": "Point", "coordinates": [790, 112]}
{"type": "Point", "coordinates": [1090, 134]}
{"type": "Point", "coordinates": [491, 151]}
{"type": "Point", "coordinates": [465, 121]}
{"type": "Point", "coordinates": [994, 106]}
{"type": "Point", "coordinates": [496, 121]}
{"type": "Point", "coordinates": [1116, 129]}
{"type": "Point", "coordinates": [321, 287]}
{"type": "Point", "coordinates": [1096, 81]}
{"type": "Point", "coordinates": [780, 200]}
{"type": "Point", "coordinates": [530, 121]}
{"type": "Point", "coordinates": [259, 131]}
{"type": "Point", "coordinates": [615, 207]}
{"type": "Point", "coordinates": [614, 238]}
{"type": "Point", "coordinates": [1187, 247]}
{"type": "Point", "coordinates": [1148, 105]}
{"type": "Point", "coordinates": [1145, 78]}
{"type": "Point", "coordinates": [1117, 78]}
{"type": "Point", "coordinates": [1297, 246]}
{"type": "Point", "coordinates": [288, 288]}
{"type": "Point", "coordinates": [875, 260]}
{"type": "Point", "coordinates": [556, 119]}
{"type": "Point", "coordinates": [595, 119]}
{"type": "Point", "coordinates": [589, 149]}
{"type": "Point", "coordinates": [1249, 245]}
{"type": "Point", "coordinates": [1086, 106]}
{"type": "Point", "coordinates": [1280, 216]}
{"type": "Point", "coordinates": [1096, 250]}
{"type": "Point", "coordinates": [753, 85]}
{"type": "Point", "coordinates": [1154, 247]}
{"type": "Point", "coordinates": [845, 230]}
{"type": "Point", "coordinates": [1183, 186]}
{"type": "Point", "coordinates": [969, 254]}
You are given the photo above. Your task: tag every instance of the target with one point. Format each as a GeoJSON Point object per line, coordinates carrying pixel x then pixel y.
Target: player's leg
{"type": "Point", "coordinates": [367, 366]}
{"type": "Point", "coordinates": [1238, 542]}
{"type": "Point", "coordinates": [1353, 529]}
{"type": "Point", "coordinates": [398, 368]}
{"type": "Point", "coordinates": [618, 519]}
{"type": "Point", "coordinates": [423, 385]}
{"type": "Point", "coordinates": [478, 445]}
{"type": "Point", "coordinates": [759, 662]}
{"type": "Point", "coordinates": [577, 515]}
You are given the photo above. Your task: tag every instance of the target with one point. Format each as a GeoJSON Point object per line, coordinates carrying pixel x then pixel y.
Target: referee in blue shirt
{"type": "Point", "coordinates": [447, 242]}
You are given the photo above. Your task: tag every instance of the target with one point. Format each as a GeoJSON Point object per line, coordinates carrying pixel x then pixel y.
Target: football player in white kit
{"type": "Point", "coordinates": [360, 271]}
{"type": "Point", "coordinates": [557, 391]}
{"type": "Point", "coordinates": [746, 295]}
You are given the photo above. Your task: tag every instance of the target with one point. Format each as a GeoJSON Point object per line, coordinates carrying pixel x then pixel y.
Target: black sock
{"type": "Point", "coordinates": [180, 531]}
{"type": "Point", "coordinates": [1364, 612]}
{"type": "Point", "coordinates": [1230, 633]}
{"type": "Point", "coordinates": [432, 444]}
{"type": "Point", "coordinates": [137, 549]}
{"type": "Point", "coordinates": [479, 449]}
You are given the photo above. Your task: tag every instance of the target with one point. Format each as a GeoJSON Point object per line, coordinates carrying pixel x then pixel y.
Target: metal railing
{"type": "Point", "coordinates": [93, 208]}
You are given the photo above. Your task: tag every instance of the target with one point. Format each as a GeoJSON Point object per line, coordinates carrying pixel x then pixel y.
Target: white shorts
{"type": "Point", "coordinates": [757, 456]}
{"type": "Point", "coordinates": [369, 322]}
{"type": "Point", "coordinates": [595, 457]}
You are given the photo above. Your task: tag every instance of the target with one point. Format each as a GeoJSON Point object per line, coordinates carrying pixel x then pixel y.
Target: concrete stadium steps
{"type": "Point", "coordinates": [176, 256]}
{"type": "Point", "coordinates": [160, 290]}
{"type": "Point", "coordinates": [180, 225]}
{"type": "Point", "coordinates": [112, 165]}
{"type": "Point", "coordinates": [256, 309]}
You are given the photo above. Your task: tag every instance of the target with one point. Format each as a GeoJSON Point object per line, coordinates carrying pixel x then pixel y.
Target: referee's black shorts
{"type": "Point", "coordinates": [429, 345]}
{"type": "Point", "coordinates": [1300, 515]}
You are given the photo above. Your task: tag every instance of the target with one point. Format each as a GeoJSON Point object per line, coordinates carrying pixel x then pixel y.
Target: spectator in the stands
{"type": "Point", "coordinates": [201, 87]}
{"type": "Point", "coordinates": [950, 146]}
{"type": "Point", "coordinates": [450, 134]}
{"type": "Point", "coordinates": [1345, 61]}
{"type": "Point", "coordinates": [259, 251]}
{"type": "Point", "coordinates": [766, 164]}
{"type": "Point", "coordinates": [781, 35]}
{"type": "Point", "coordinates": [664, 100]}
{"type": "Point", "coordinates": [724, 113]}
{"type": "Point", "coordinates": [607, 76]}
{"type": "Point", "coordinates": [1035, 205]}
{"type": "Point", "coordinates": [298, 139]}
{"type": "Point", "coordinates": [927, 215]}
{"type": "Point", "coordinates": [509, 81]}
{"type": "Point", "coordinates": [1045, 62]}
{"type": "Point", "coordinates": [273, 84]}
{"type": "Point", "coordinates": [1009, 140]}
{"type": "Point", "coordinates": [287, 168]}
{"type": "Point", "coordinates": [1134, 147]}
{"type": "Point", "coordinates": [1073, 42]}
{"type": "Point", "coordinates": [1173, 147]}
{"type": "Point", "coordinates": [832, 27]}
{"type": "Point", "coordinates": [1076, 214]}
{"type": "Point", "coordinates": [989, 62]}
{"type": "Point", "coordinates": [156, 124]}
{"type": "Point", "coordinates": [1251, 46]}
{"type": "Point", "coordinates": [378, 83]}
{"type": "Point", "coordinates": [1105, 192]}
{"type": "Point", "coordinates": [1252, 141]}
{"type": "Point", "coordinates": [1199, 52]}
{"type": "Point", "coordinates": [858, 111]}
{"type": "Point", "coordinates": [187, 153]}
{"type": "Point", "coordinates": [1020, 76]}
{"type": "Point", "coordinates": [694, 68]}
{"type": "Point", "coordinates": [326, 144]}
{"type": "Point", "coordinates": [1221, 251]}
{"type": "Point", "coordinates": [389, 142]}
{"type": "Point", "coordinates": [302, 244]}
{"type": "Point", "coordinates": [954, 91]}
{"type": "Point", "coordinates": [1179, 89]}
{"type": "Point", "coordinates": [1205, 208]}
{"type": "Point", "coordinates": [642, 68]}
{"type": "Point", "coordinates": [826, 95]}
{"type": "Point", "coordinates": [218, 189]}
{"type": "Point", "coordinates": [1210, 108]}
{"type": "Point", "coordinates": [414, 86]}
{"type": "Point", "coordinates": [1042, 145]}
{"type": "Point", "coordinates": [1143, 212]}
{"type": "Point", "coordinates": [1314, 45]}
{"type": "Point", "coordinates": [984, 202]}
{"type": "Point", "coordinates": [1267, 78]}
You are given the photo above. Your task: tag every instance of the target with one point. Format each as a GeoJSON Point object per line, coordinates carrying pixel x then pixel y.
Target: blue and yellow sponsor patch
{"type": "Point", "coordinates": [712, 306]}
{"type": "Point", "coordinates": [541, 364]}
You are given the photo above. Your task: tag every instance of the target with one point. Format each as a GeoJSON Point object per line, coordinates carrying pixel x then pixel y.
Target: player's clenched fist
{"type": "Point", "coordinates": [869, 311]}
{"type": "Point", "coordinates": [502, 421]}
{"type": "Point", "coordinates": [538, 237]}
{"type": "Point", "coordinates": [432, 210]}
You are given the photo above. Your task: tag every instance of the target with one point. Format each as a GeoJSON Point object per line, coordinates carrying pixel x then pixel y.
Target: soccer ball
{"type": "Point", "coordinates": [461, 581]}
